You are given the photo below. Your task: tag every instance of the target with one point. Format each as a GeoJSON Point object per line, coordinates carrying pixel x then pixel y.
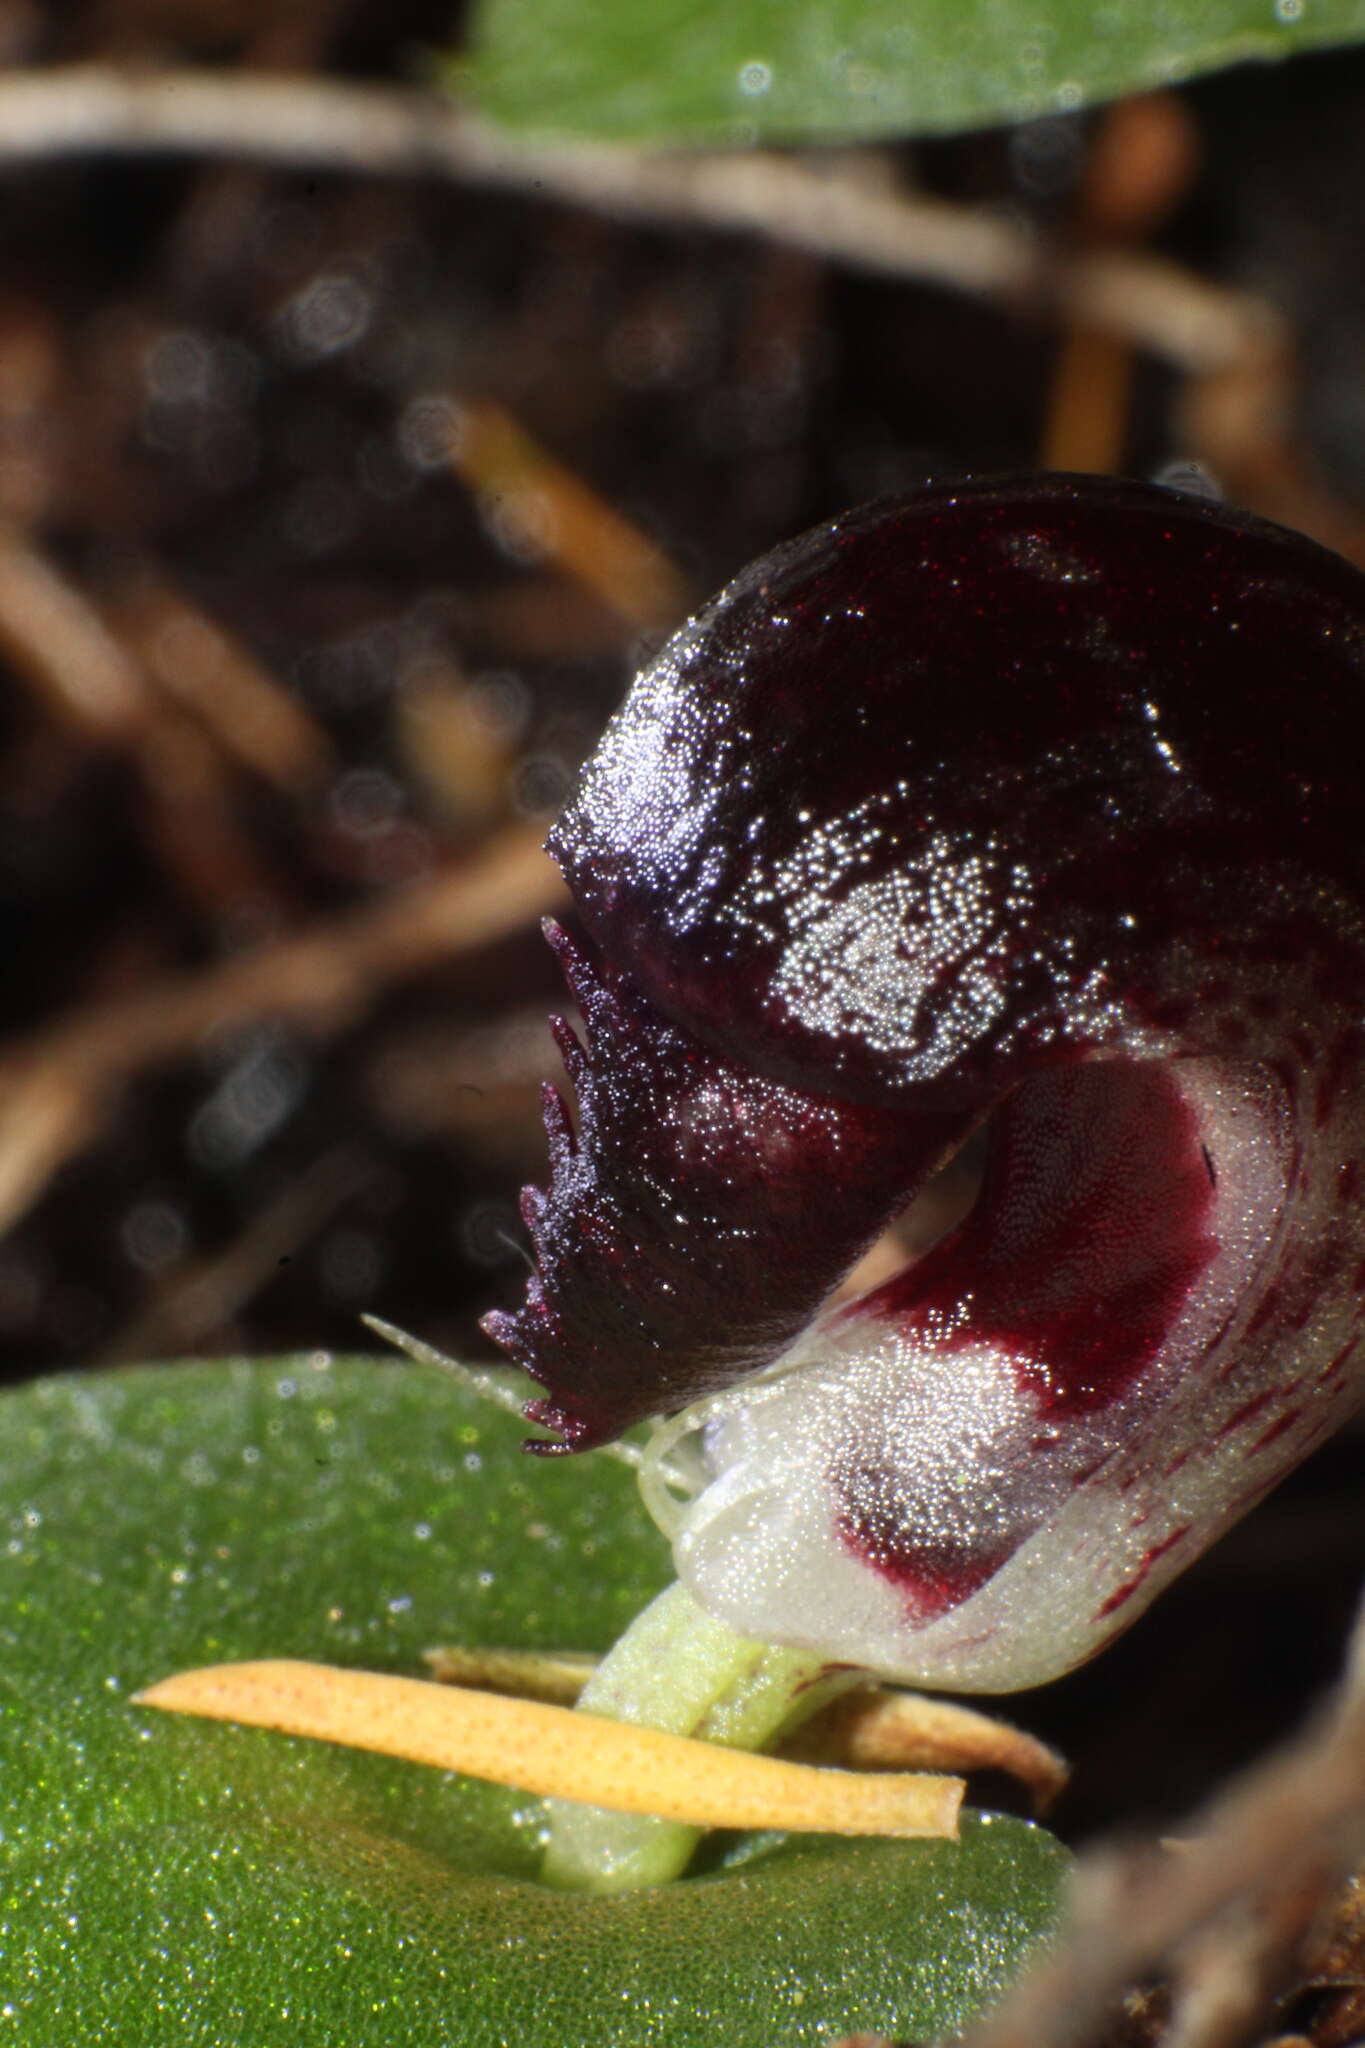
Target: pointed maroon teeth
{"type": "Point", "coordinates": [698, 1220]}
{"type": "Point", "coordinates": [1031, 804]}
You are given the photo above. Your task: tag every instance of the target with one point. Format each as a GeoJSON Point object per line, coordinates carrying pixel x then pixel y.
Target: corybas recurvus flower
{"type": "Point", "coordinates": [1029, 807]}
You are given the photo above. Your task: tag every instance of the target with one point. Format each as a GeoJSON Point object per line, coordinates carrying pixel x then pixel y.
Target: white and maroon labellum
{"type": "Point", "coordinates": [1029, 807]}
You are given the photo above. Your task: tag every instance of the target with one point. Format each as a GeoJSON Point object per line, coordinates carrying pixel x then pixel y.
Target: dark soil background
{"type": "Point", "coordinates": [287, 640]}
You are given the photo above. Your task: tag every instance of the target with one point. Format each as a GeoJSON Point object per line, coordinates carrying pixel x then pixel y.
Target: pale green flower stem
{"type": "Point", "coordinates": [678, 1670]}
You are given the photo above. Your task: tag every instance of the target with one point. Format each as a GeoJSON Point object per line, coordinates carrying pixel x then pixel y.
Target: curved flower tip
{"type": "Point", "coordinates": [1028, 807]}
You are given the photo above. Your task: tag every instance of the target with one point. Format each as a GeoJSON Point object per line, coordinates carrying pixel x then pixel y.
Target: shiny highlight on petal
{"type": "Point", "coordinates": [1023, 811]}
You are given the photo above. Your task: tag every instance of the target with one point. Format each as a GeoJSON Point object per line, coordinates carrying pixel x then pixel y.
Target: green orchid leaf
{"type": "Point", "coordinates": [738, 71]}
{"type": "Point", "coordinates": [166, 1881]}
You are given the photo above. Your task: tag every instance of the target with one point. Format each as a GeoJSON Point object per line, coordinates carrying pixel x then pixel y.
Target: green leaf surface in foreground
{"type": "Point", "coordinates": [736, 71]}
{"type": "Point", "coordinates": [166, 1882]}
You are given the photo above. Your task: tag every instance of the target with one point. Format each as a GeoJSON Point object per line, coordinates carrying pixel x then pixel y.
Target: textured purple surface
{"type": "Point", "coordinates": [690, 1179]}
{"type": "Point", "coordinates": [1103, 693]}
{"type": "Point", "coordinates": [1035, 802]}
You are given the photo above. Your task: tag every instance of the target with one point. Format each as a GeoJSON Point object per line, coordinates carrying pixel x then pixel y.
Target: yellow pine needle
{"type": "Point", "coordinates": [558, 1752]}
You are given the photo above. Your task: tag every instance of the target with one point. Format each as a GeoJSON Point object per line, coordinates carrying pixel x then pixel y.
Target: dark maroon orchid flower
{"type": "Point", "coordinates": [1030, 808]}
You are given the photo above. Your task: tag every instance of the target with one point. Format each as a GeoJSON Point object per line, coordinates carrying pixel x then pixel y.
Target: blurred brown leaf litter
{"type": "Point", "coordinates": [337, 504]}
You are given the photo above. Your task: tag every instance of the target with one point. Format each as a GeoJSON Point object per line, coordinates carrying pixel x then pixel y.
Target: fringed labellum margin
{"type": "Point", "coordinates": [1029, 808]}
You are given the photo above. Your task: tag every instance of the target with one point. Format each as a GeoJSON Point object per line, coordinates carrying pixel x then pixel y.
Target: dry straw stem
{"type": "Point", "coordinates": [879, 1728]}
{"type": "Point", "coordinates": [1260, 1864]}
{"type": "Point", "coordinates": [875, 1728]}
{"type": "Point", "coordinates": [557, 1752]}
{"type": "Point", "coordinates": [556, 1678]}
{"type": "Point", "coordinates": [821, 203]}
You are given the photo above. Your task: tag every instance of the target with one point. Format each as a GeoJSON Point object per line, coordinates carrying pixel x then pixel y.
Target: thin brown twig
{"type": "Point", "coordinates": [1240, 420]}
{"type": "Point", "coordinates": [64, 647]}
{"type": "Point", "coordinates": [83, 669]}
{"type": "Point", "coordinates": [1142, 159]}
{"type": "Point", "coordinates": [198, 1302]}
{"type": "Point", "coordinates": [55, 1091]}
{"type": "Point", "coordinates": [1234, 346]}
{"type": "Point", "coordinates": [206, 670]}
{"type": "Point", "coordinates": [568, 521]}
{"type": "Point", "coordinates": [60, 645]}
{"type": "Point", "coordinates": [813, 203]}
{"type": "Point", "coordinates": [1294, 1825]}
